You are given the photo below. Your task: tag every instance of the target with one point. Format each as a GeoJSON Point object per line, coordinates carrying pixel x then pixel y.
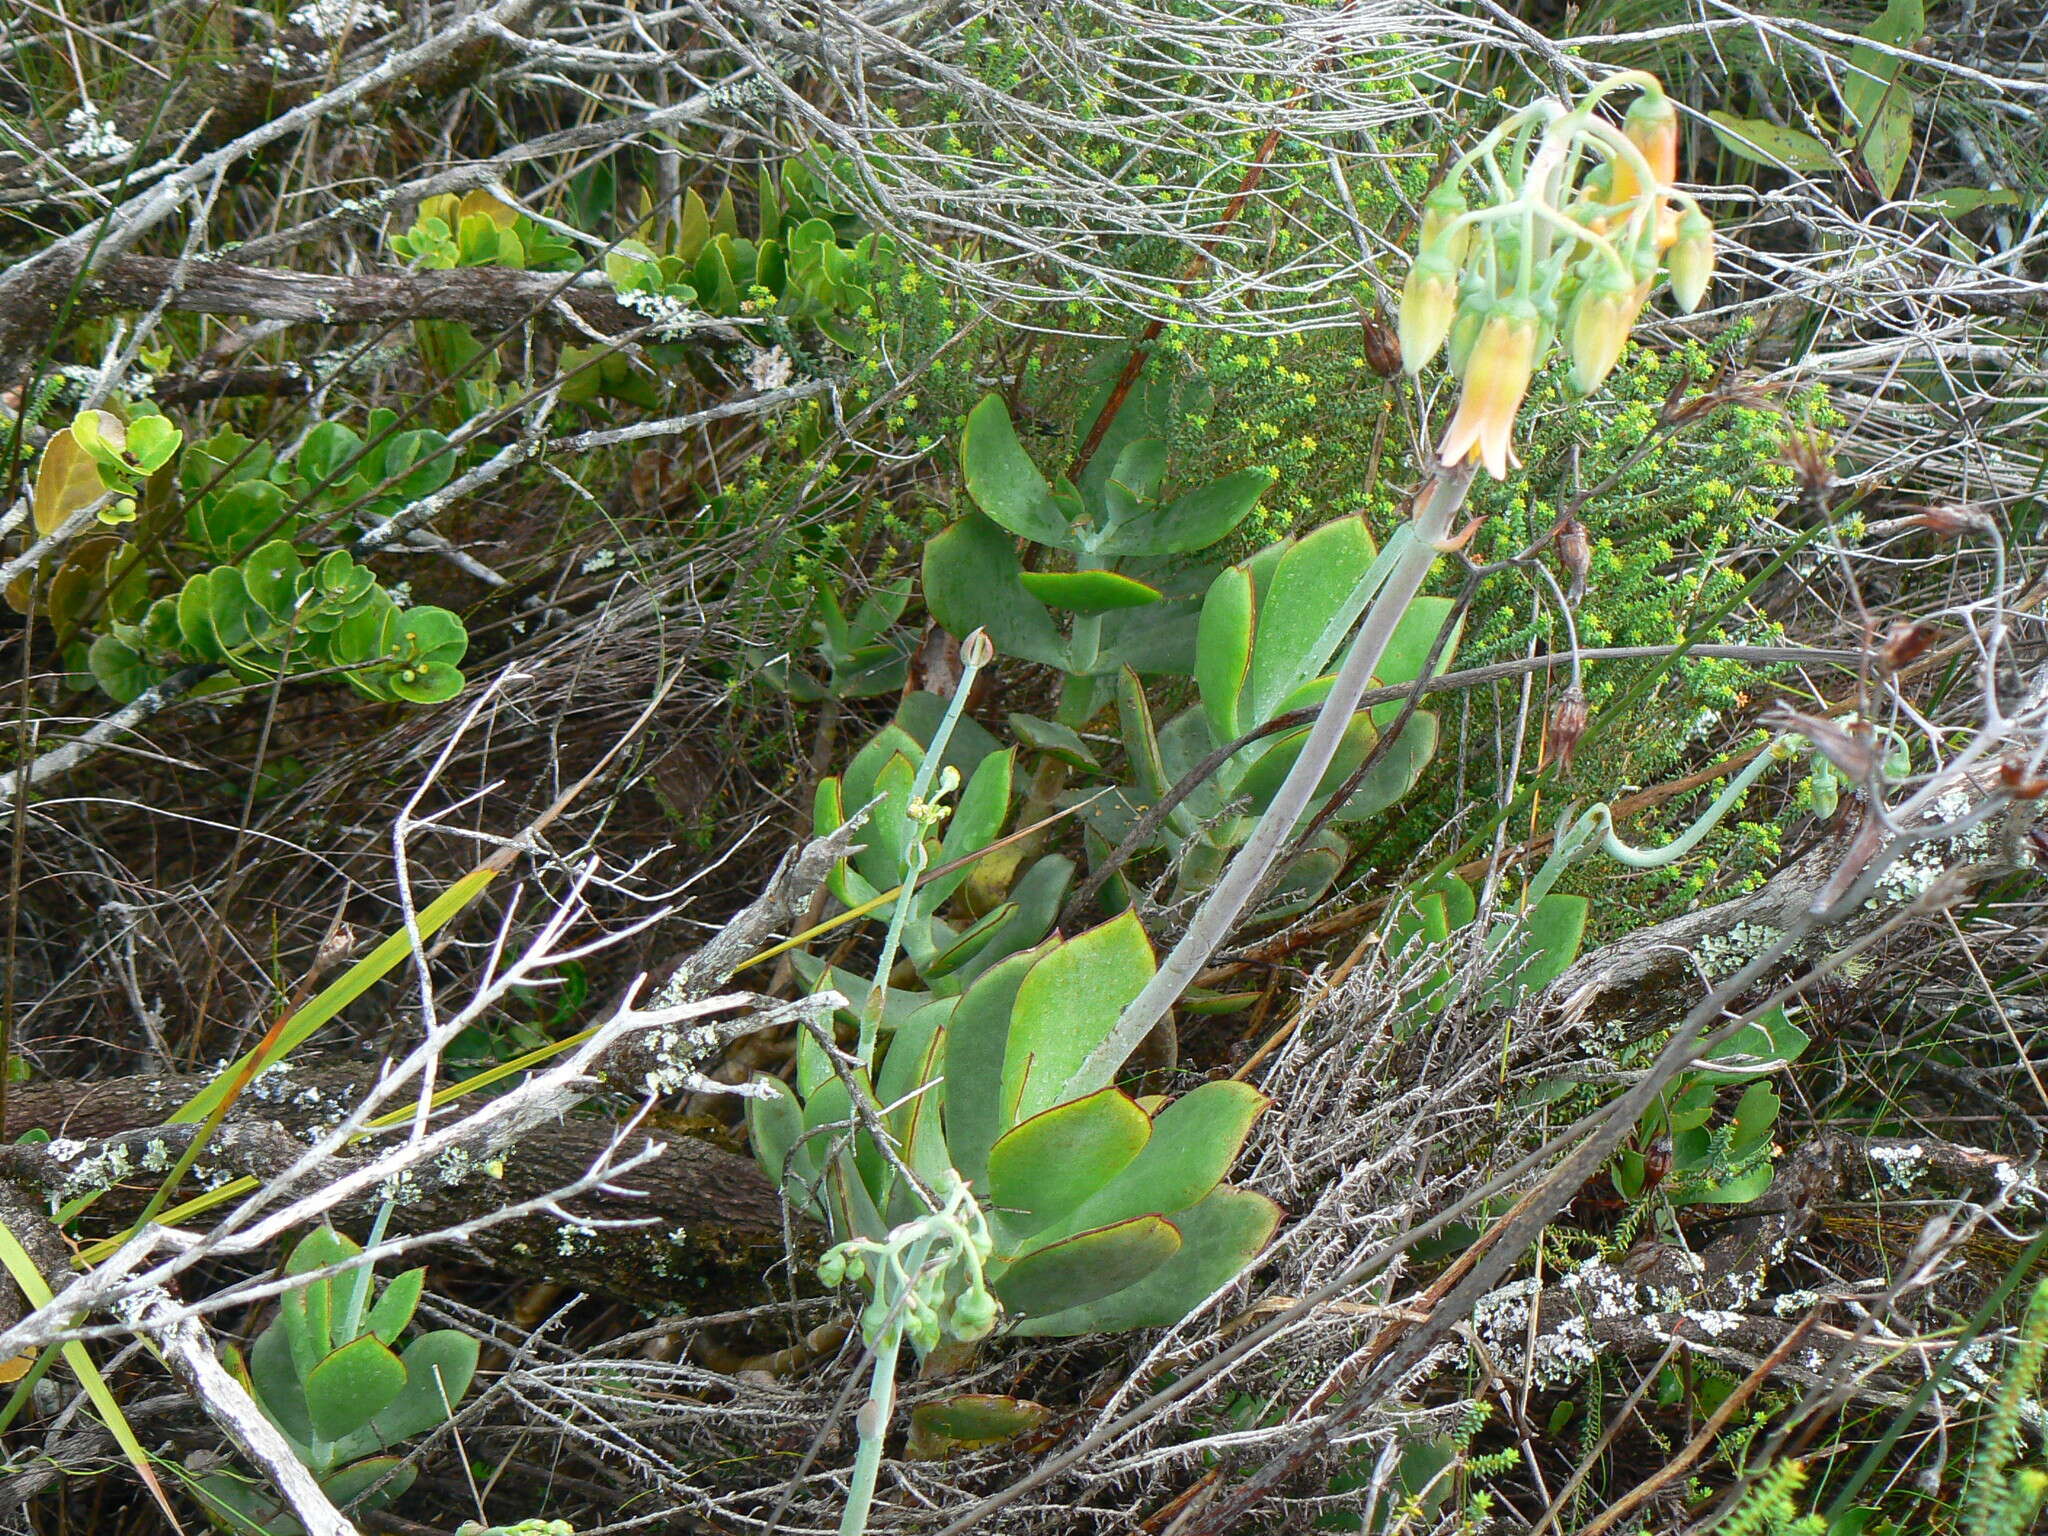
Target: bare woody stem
{"type": "Point", "coordinates": [1436, 504]}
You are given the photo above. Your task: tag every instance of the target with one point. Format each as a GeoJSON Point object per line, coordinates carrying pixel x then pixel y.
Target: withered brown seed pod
{"type": "Point", "coordinates": [1904, 642]}
{"type": "Point", "coordinates": [1567, 724]}
{"type": "Point", "coordinates": [1575, 554]}
{"type": "Point", "coordinates": [1382, 346]}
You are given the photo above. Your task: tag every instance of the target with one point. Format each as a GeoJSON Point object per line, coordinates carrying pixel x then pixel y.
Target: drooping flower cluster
{"type": "Point", "coordinates": [1568, 245]}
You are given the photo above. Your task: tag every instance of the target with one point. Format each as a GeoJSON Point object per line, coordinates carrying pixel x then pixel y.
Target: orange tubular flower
{"type": "Point", "coordinates": [1652, 126]}
{"type": "Point", "coordinates": [1496, 378]}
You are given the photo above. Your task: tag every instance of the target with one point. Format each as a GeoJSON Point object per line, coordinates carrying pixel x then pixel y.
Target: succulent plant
{"type": "Point", "coordinates": [329, 1374]}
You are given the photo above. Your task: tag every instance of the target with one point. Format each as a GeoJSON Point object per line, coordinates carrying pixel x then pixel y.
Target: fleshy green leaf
{"type": "Point", "coordinates": [352, 1485]}
{"type": "Point", "coordinates": [437, 1363]}
{"type": "Point", "coordinates": [1219, 1237]}
{"type": "Point", "coordinates": [1087, 591]}
{"type": "Point", "coordinates": [1087, 1266]}
{"type": "Point", "coordinates": [1194, 521]}
{"type": "Point", "coordinates": [1041, 1170]}
{"type": "Point", "coordinates": [1223, 650]}
{"type": "Point", "coordinates": [1050, 736]}
{"type": "Point", "coordinates": [352, 1386]}
{"type": "Point", "coordinates": [1296, 637]}
{"type": "Point", "coordinates": [1004, 482]}
{"type": "Point", "coordinates": [394, 1309]}
{"type": "Point", "coordinates": [1194, 1141]}
{"type": "Point", "coordinates": [975, 1045]}
{"type": "Point", "coordinates": [1066, 1007]}
{"type": "Point", "coordinates": [972, 581]}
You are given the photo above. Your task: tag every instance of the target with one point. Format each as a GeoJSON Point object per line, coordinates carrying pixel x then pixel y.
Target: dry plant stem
{"type": "Point", "coordinates": [1698, 1445]}
{"type": "Point", "coordinates": [1154, 817]}
{"type": "Point", "coordinates": [182, 1340]}
{"type": "Point", "coordinates": [1436, 505]}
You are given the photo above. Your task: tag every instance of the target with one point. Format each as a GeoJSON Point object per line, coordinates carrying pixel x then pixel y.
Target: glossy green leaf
{"type": "Point", "coordinates": [352, 1386]}
{"type": "Point", "coordinates": [118, 670]}
{"type": "Point", "coordinates": [1219, 1237]}
{"type": "Point", "coordinates": [329, 450]}
{"type": "Point", "coordinates": [1086, 1266]}
{"type": "Point", "coordinates": [1548, 943]}
{"type": "Point", "coordinates": [1223, 650]}
{"type": "Point", "coordinates": [1312, 585]}
{"type": "Point", "coordinates": [438, 1369]}
{"type": "Point", "coordinates": [976, 1042]}
{"type": "Point", "coordinates": [1413, 639]}
{"type": "Point", "coordinates": [430, 682]}
{"type": "Point", "coordinates": [1004, 481]}
{"type": "Point", "coordinates": [1066, 1007]}
{"type": "Point", "coordinates": [1050, 736]}
{"type": "Point", "coordinates": [972, 581]}
{"type": "Point", "coordinates": [1750, 1126]}
{"type": "Point", "coordinates": [1194, 1141]}
{"type": "Point", "coordinates": [1194, 521]}
{"type": "Point", "coordinates": [1034, 904]}
{"type": "Point", "coordinates": [977, 821]}
{"type": "Point", "coordinates": [1087, 592]}
{"type": "Point", "coordinates": [271, 576]}
{"type": "Point", "coordinates": [1766, 1045]}
{"type": "Point", "coordinates": [1141, 740]}
{"type": "Point", "coordinates": [1763, 142]}
{"type": "Point", "coordinates": [394, 1309]}
{"type": "Point", "coordinates": [1399, 768]}
{"type": "Point", "coordinates": [276, 1379]}
{"type": "Point", "coordinates": [370, 1484]}
{"type": "Point", "coordinates": [432, 634]}
{"type": "Point", "coordinates": [1271, 766]}
{"type": "Point", "coordinates": [1044, 1168]}
{"type": "Point", "coordinates": [775, 1122]}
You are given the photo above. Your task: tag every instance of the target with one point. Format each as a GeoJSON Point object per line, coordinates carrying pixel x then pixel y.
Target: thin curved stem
{"type": "Point", "coordinates": [1436, 505]}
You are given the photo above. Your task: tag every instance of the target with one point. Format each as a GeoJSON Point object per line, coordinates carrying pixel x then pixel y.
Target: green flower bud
{"type": "Point", "coordinates": [1440, 210]}
{"type": "Point", "coordinates": [1429, 301]}
{"type": "Point", "coordinates": [1597, 327]}
{"type": "Point", "coordinates": [1691, 260]}
{"type": "Point", "coordinates": [1464, 331]}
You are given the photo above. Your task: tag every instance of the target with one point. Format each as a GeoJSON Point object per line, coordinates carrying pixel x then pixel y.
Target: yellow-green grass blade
{"type": "Point", "coordinates": [22, 1270]}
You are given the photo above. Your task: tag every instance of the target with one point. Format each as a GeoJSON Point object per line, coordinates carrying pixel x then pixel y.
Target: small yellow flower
{"type": "Point", "coordinates": [1497, 378]}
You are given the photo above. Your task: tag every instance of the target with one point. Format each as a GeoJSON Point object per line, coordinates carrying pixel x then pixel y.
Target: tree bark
{"type": "Point", "coordinates": [713, 1220]}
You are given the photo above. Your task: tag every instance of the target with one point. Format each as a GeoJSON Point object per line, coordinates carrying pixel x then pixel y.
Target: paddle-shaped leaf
{"type": "Point", "coordinates": [971, 580]}
{"type": "Point", "coordinates": [1192, 522]}
{"type": "Point", "coordinates": [1087, 591]}
{"type": "Point", "coordinates": [1066, 1007]}
{"type": "Point", "coordinates": [352, 1386]}
{"type": "Point", "coordinates": [1219, 1237]}
{"type": "Point", "coordinates": [1087, 1266]}
{"type": "Point", "coordinates": [1193, 1143]}
{"type": "Point", "coordinates": [1223, 650]}
{"type": "Point", "coordinates": [1042, 1170]}
{"type": "Point", "coordinates": [1004, 482]}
